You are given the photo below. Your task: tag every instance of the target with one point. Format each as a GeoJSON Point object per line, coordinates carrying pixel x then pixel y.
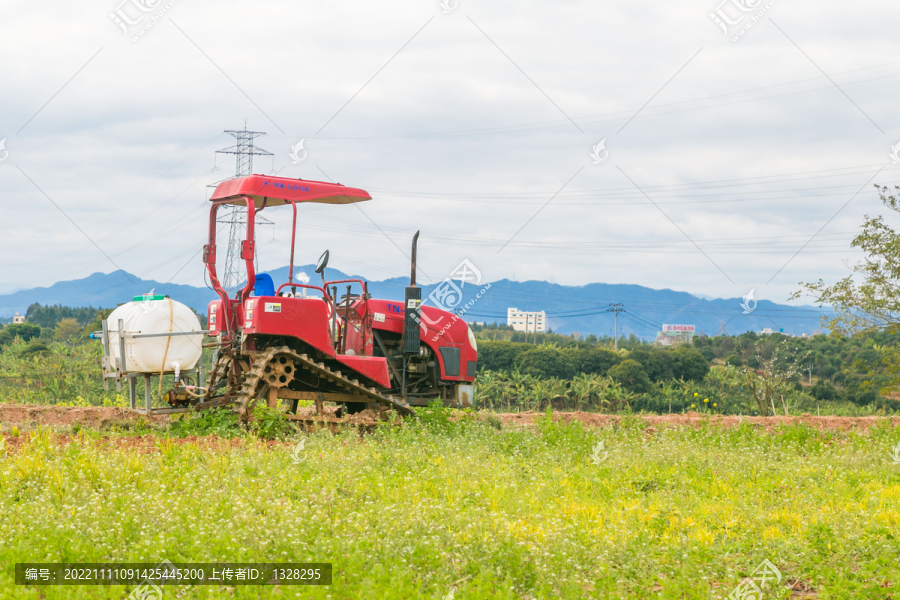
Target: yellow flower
{"type": "Point", "coordinates": [696, 394]}
{"type": "Point", "coordinates": [692, 406]}
{"type": "Point", "coordinates": [714, 405]}
{"type": "Point", "coordinates": [706, 399]}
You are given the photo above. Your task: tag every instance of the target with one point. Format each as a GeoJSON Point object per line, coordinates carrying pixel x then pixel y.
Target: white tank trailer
{"type": "Point", "coordinates": [160, 336]}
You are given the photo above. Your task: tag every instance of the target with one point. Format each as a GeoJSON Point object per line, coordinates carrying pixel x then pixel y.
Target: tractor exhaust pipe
{"type": "Point", "coordinates": [412, 274]}
{"type": "Point", "coordinates": [413, 299]}
{"type": "Point", "coordinates": [411, 332]}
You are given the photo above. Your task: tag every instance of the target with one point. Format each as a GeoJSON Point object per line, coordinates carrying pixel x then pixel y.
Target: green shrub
{"type": "Point", "coordinates": [593, 361]}
{"type": "Point", "coordinates": [215, 421]}
{"type": "Point", "coordinates": [823, 391]}
{"type": "Point", "coordinates": [499, 355]}
{"type": "Point", "coordinates": [270, 424]}
{"type": "Point", "coordinates": [34, 348]}
{"type": "Point", "coordinates": [546, 362]}
{"type": "Point", "coordinates": [658, 363]}
{"type": "Point", "coordinates": [689, 364]}
{"type": "Point", "coordinates": [632, 376]}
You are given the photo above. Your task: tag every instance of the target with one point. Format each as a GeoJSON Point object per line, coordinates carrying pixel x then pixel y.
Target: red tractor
{"type": "Point", "coordinates": [298, 341]}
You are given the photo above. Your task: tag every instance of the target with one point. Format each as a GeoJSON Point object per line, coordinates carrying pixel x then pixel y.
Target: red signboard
{"type": "Point", "coordinates": [681, 328]}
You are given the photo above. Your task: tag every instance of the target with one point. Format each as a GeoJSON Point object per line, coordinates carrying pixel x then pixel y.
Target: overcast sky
{"type": "Point", "coordinates": [474, 122]}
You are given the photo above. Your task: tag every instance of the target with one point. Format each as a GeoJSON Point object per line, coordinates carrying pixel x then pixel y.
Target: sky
{"type": "Point", "coordinates": [706, 147]}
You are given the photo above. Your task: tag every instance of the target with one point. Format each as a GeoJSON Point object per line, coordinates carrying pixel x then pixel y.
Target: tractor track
{"type": "Point", "coordinates": [254, 386]}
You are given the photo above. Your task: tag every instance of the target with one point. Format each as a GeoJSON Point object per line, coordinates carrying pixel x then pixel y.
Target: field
{"type": "Point", "coordinates": [516, 506]}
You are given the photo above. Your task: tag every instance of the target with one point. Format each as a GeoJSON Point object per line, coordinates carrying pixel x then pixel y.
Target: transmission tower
{"type": "Point", "coordinates": [616, 308]}
{"type": "Point", "coordinates": [236, 216]}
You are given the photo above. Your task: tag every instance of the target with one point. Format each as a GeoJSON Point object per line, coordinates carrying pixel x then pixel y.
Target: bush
{"type": "Point", "coordinates": [658, 364]}
{"type": "Point", "coordinates": [630, 373]}
{"type": "Point", "coordinates": [499, 355]}
{"type": "Point", "coordinates": [545, 362]}
{"type": "Point", "coordinates": [25, 331]}
{"type": "Point", "coordinates": [67, 329]}
{"type": "Point", "coordinates": [823, 391]}
{"type": "Point", "coordinates": [689, 364]}
{"type": "Point", "coordinates": [734, 360]}
{"type": "Point", "coordinates": [593, 361]}
{"type": "Point", "coordinates": [34, 348]}
{"type": "Point", "coordinates": [708, 353]}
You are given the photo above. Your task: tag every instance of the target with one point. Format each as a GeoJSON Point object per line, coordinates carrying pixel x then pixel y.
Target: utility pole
{"type": "Point", "coordinates": [616, 309]}
{"type": "Point", "coordinates": [236, 216]}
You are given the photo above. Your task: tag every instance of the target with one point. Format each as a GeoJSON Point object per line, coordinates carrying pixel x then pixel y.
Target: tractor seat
{"type": "Point", "coordinates": [264, 286]}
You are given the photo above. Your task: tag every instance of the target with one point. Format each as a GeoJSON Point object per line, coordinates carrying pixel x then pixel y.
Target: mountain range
{"type": "Point", "coordinates": [570, 309]}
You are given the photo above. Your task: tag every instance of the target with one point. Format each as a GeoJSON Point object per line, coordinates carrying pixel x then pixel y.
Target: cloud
{"type": "Point", "coordinates": [749, 150]}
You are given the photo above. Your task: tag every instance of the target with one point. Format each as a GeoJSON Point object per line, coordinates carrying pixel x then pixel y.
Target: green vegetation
{"type": "Point", "coordinates": [48, 317]}
{"type": "Point", "coordinates": [415, 511]}
{"type": "Point", "coordinates": [747, 374]}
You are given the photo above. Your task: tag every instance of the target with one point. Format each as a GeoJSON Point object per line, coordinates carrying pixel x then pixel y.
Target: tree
{"type": "Point", "coordinates": [689, 364]}
{"type": "Point", "coordinates": [632, 376]}
{"type": "Point", "coordinates": [545, 362]}
{"type": "Point", "coordinates": [499, 355]}
{"type": "Point", "coordinates": [67, 329]}
{"type": "Point", "coordinates": [869, 299]}
{"type": "Point", "coordinates": [771, 380]}
{"type": "Point", "coordinates": [25, 331]}
{"type": "Point", "coordinates": [594, 360]}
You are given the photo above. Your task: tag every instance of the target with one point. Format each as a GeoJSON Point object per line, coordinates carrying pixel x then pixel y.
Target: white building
{"type": "Point", "coordinates": [18, 318]}
{"type": "Point", "coordinates": [526, 321]}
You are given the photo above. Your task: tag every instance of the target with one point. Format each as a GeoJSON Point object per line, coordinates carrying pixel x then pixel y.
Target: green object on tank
{"type": "Point", "coordinates": [143, 298]}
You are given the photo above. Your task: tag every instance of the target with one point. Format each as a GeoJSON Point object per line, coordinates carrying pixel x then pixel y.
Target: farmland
{"type": "Point", "coordinates": [465, 502]}
{"type": "Point", "coordinates": [529, 500]}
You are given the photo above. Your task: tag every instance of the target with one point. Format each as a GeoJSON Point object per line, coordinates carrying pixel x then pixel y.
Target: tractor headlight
{"type": "Point", "coordinates": [472, 341]}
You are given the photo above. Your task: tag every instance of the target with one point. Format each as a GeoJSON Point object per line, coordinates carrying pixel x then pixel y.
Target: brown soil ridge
{"type": "Point", "coordinates": [95, 417]}
{"type": "Point", "coordinates": [99, 417]}
{"type": "Point", "coordinates": [695, 419]}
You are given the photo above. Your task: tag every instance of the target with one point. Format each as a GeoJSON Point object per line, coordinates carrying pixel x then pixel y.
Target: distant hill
{"type": "Point", "coordinates": [569, 308]}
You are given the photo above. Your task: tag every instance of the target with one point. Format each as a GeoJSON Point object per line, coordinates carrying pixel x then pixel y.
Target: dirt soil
{"type": "Point", "coordinates": [95, 417]}
{"type": "Point", "coordinates": [105, 417]}
{"type": "Point", "coordinates": [694, 419]}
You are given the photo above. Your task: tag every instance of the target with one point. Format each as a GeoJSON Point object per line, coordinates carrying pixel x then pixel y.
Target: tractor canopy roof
{"type": "Point", "coordinates": [276, 191]}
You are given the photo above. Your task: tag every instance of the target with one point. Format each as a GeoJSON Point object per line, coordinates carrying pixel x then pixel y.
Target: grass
{"type": "Point", "coordinates": [490, 511]}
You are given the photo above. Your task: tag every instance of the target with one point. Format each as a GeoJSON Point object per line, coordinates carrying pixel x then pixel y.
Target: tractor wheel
{"type": "Point", "coordinates": [279, 372]}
